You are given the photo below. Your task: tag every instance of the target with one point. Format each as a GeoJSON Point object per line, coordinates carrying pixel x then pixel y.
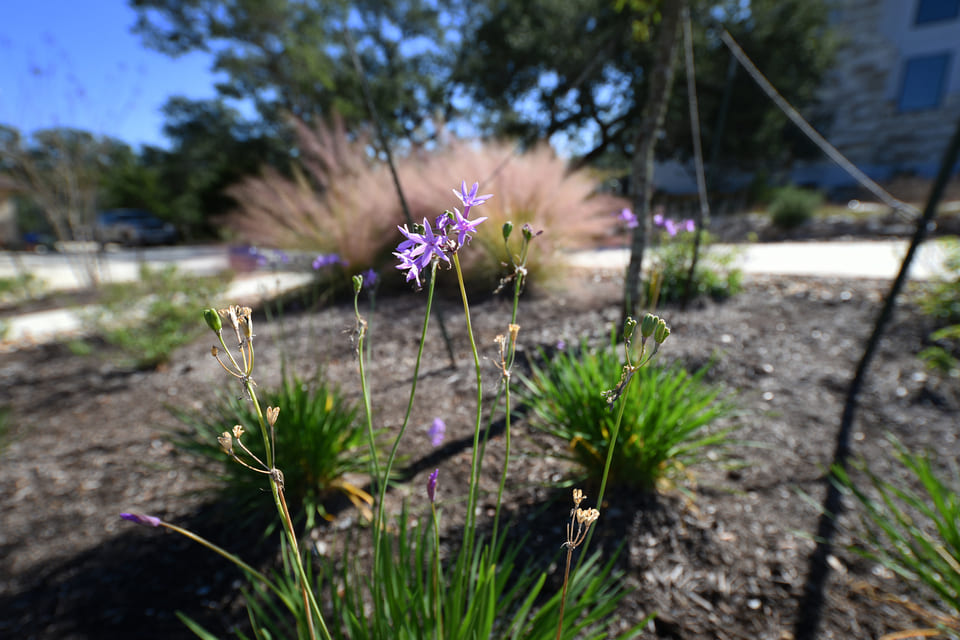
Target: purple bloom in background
{"type": "Point", "coordinates": [689, 225]}
{"type": "Point", "coordinates": [437, 431]}
{"type": "Point", "coordinates": [470, 198]}
{"type": "Point", "coordinates": [658, 219]}
{"type": "Point", "coordinates": [326, 260]}
{"type": "Point", "coordinates": [561, 344]}
{"type": "Point", "coordinates": [370, 277]}
{"type": "Point", "coordinates": [629, 218]}
{"type": "Point", "coordinates": [671, 227]}
{"type": "Point", "coordinates": [139, 518]}
{"type": "Point", "coordinates": [432, 485]}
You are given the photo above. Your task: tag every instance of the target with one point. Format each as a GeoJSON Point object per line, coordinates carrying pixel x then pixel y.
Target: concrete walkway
{"type": "Point", "coordinates": [861, 259]}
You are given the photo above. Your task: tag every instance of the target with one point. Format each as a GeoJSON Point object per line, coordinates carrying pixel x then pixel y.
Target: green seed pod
{"type": "Point", "coordinates": [662, 332]}
{"type": "Point", "coordinates": [212, 318]}
{"type": "Point", "coordinates": [357, 283]}
{"type": "Point", "coordinates": [507, 229]}
{"type": "Point", "coordinates": [648, 325]}
{"type": "Point", "coordinates": [628, 327]}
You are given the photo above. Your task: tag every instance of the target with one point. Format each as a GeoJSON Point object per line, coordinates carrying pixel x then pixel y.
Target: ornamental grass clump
{"type": "Point", "coordinates": [323, 441]}
{"type": "Point", "coordinates": [484, 585]}
{"type": "Point", "coordinates": [668, 422]}
{"type": "Point", "coordinates": [912, 527]}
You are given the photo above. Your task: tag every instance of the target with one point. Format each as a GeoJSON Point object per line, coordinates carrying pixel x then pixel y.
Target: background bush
{"type": "Point", "coordinates": [793, 206]}
{"type": "Point", "coordinates": [342, 200]}
{"type": "Point", "coordinates": [666, 419]}
{"type": "Point", "coordinates": [149, 318]}
{"type": "Point", "coordinates": [713, 277]}
{"type": "Point", "coordinates": [319, 441]}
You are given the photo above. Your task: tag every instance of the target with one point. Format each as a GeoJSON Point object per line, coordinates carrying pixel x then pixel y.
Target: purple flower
{"type": "Point", "coordinates": [629, 218]}
{"type": "Point", "coordinates": [370, 278]}
{"type": "Point", "coordinates": [470, 199]}
{"type": "Point", "coordinates": [464, 228]}
{"type": "Point", "coordinates": [658, 219]}
{"type": "Point", "coordinates": [689, 225]}
{"type": "Point", "coordinates": [561, 344]}
{"type": "Point", "coordinates": [326, 260]}
{"type": "Point", "coordinates": [139, 518]}
{"type": "Point", "coordinates": [437, 431]}
{"type": "Point", "coordinates": [432, 485]}
{"type": "Point", "coordinates": [671, 227]}
{"type": "Point", "coordinates": [410, 264]}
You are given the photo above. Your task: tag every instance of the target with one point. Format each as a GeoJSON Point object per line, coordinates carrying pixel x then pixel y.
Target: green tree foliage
{"type": "Point", "coordinates": [579, 68]}
{"type": "Point", "coordinates": [290, 57]}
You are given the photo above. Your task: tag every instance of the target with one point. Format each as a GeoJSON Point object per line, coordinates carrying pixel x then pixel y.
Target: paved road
{"type": "Point", "coordinates": [865, 259]}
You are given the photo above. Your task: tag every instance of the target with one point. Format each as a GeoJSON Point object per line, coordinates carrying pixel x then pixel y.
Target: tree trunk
{"type": "Point", "coordinates": [651, 124]}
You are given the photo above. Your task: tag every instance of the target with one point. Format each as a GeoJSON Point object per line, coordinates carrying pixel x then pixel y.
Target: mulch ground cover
{"type": "Point", "coordinates": [728, 557]}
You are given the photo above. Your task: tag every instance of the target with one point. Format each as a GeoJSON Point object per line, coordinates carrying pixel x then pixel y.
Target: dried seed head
{"type": "Point", "coordinates": [272, 413]}
{"type": "Point", "coordinates": [578, 497]}
{"type": "Point", "coordinates": [214, 351]}
{"type": "Point", "coordinates": [237, 431]}
{"type": "Point", "coordinates": [226, 442]}
{"type": "Point", "coordinates": [587, 516]}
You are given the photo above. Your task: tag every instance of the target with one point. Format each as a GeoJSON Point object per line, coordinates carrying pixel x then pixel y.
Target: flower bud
{"type": "Point", "coordinates": [212, 318]}
{"type": "Point", "coordinates": [507, 230]}
{"type": "Point", "coordinates": [527, 232]}
{"type": "Point", "coordinates": [628, 327]}
{"type": "Point", "coordinates": [357, 283]}
{"type": "Point", "coordinates": [662, 332]}
{"type": "Point", "coordinates": [648, 325]}
{"type": "Point", "coordinates": [432, 485]}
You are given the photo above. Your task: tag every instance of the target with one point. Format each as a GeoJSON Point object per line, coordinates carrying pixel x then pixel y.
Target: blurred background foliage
{"type": "Point", "coordinates": [571, 73]}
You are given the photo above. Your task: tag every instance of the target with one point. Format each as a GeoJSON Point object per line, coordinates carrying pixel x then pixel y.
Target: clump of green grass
{"type": "Point", "coordinates": [939, 300]}
{"type": "Point", "coordinates": [793, 206]}
{"type": "Point", "coordinates": [148, 319]}
{"type": "Point", "coordinates": [667, 420]}
{"type": "Point", "coordinates": [319, 441]}
{"type": "Point", "coordinates": [913, 532]}
{"type": "Point", "coordinates": [714, 277]}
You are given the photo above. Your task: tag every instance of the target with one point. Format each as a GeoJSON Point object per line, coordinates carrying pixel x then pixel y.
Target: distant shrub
{"type": "Point", "coordinates": [666, 420]}
{"type": "Point", "coordinates": [319, 441]}
{"type": "Point", "coordinates": [149, 318]}
{"type": "Point", "coordinates": [342, 200]}
{"type": "Point", "coordinates": [915, 534]}
{"type": "Point", "coordinates": [714, 275]}
{"type": "Point", "coordinates": [940, 301]}
{"type": "Point", "coordinates": [793, 206]}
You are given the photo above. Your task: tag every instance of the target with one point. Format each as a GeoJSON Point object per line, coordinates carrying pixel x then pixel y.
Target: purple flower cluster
{"type": "Point", "coordinates": [453, 230]}
{"type": "Point", "coordinates": [628, 218]}
{"type": "Point", "coordinates": [671, 227]}
{"type": "Point", "coordinates": [327, 260]}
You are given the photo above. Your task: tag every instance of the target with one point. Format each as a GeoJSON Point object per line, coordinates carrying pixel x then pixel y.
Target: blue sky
{"type": "Point", "coordinates": [76, 63]}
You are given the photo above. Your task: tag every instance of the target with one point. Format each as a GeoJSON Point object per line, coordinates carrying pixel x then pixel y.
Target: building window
{"type": "Point", "coordinates": [937, 10]}
{"type": "Point", "coordinates": [923, 80]}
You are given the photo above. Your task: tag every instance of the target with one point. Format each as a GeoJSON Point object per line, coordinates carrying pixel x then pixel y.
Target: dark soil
{"type": "Point", "coordinates": [730, 559]}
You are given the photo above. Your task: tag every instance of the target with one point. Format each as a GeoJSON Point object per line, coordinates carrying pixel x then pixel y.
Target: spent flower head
{"type": "Point", "coordinates": [580, 521]}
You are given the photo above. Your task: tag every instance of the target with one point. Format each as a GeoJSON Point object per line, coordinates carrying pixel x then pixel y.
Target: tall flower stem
{"type": "Point", "coordinates": [511, 350]}
{"type": "Point", "coordinates": [438, 609]}
{"type": "Point", "coordinates": [469, 531]}
{"type": "Point", "coordinates": [378, 528]}
{"type": "Point", "coordinates": [309, 601]}
{"type": "Point", "coordinates": [615, 432]}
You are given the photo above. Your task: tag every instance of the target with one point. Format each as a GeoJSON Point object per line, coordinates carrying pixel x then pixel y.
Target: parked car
{"type": "Point", "coordinates": [133, 227]}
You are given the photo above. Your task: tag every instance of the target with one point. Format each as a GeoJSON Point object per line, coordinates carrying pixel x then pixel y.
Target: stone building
{"type": "Point", "coordinates": [892, 100]}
